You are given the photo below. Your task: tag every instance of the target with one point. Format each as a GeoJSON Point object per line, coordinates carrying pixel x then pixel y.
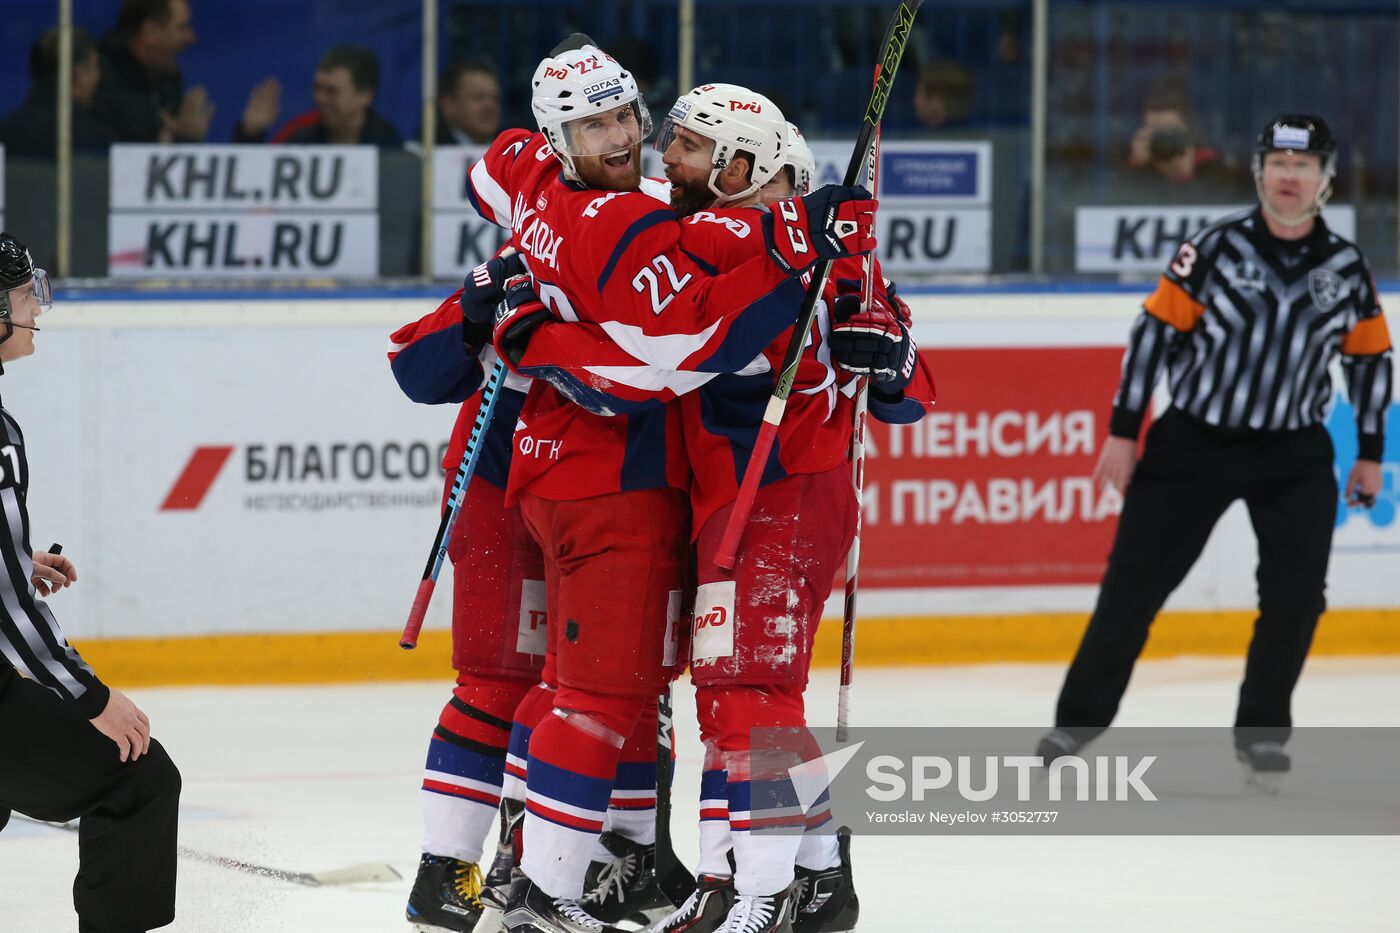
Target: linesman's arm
{"type": "Point", "coordinates": [1168, 313]}
{"type": "Point", "coordinates": [30, 638]}
{"type": "Point", "coordinates": [1368, 362]}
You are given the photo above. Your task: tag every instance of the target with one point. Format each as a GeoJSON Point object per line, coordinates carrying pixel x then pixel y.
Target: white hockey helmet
{"type": "Point", "coordinates": [738, 120]}
{"type": "Point", "coordinates": [579, 83]}
{"type": "Point", "coordinates": [799, 156]}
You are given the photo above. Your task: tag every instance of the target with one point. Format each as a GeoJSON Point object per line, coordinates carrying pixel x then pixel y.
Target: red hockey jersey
{"type": "Point", "coordinates": [624, 262]}
{"type": "Point", "coordinates": [721, 419]}
{"type": "Point", "coordinates": [722, 399]}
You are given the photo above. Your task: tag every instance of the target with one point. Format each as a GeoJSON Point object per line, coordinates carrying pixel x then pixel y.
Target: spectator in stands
{"type": "Point", "coordinates": [347, 78]}
{"type": "Point", "coordinates": [1165, 143]}
{"type": "Point", "coordinates": [31, 131]}
{"type": "Point", "coordinates": [1166, 160]}
{"type": "Point", "coordinates": [141, 94]}
{"type": "Point", "coordinates": [469, 105]}
{"type": "Point", "coordinates": [943, 95]}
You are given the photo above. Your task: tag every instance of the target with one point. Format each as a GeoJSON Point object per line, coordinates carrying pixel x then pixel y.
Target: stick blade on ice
{"type": "Point", "coordinates": [367, 873]}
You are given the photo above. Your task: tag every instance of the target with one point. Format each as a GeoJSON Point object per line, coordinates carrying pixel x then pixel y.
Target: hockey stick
{"type": "Point", "coordinates": [848, 621]}
{"type": "Point", "coordinates": [470, 457]}
{"type": "Point", "coordinates": [672, 877]}
{"type": "Point", "coordinates": [886, 65]}
{"type": "Point", "coordinates": [351, 874]}
{"type": "Point", "coordinates": [862, 409]}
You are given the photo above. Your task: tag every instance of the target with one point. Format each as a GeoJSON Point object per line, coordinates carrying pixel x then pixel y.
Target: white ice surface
{"type": "Point", "coordinates": [322, 777]}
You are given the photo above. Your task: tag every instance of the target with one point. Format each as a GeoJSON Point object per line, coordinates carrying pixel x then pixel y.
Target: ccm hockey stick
{"type": "Point", "coordinates": [351, 874]}
{"type": "Point", "coordinates": [672, 877]}
{"type": "Point", "coordinates": [886, 65]}
{"type": "Point", "coordinates": [409, 638]}
{"type": "Point", "coordinates": [862, 409]}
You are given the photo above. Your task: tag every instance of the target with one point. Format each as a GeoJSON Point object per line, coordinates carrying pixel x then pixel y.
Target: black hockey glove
{"type": "Point", "coordinates": [833, 222]}
{"type": "Point", "coordinates": [520, 314]}
{"type": "Point", "coordinates": [482, 293]}
{"type": "Point", "coordinates": [873, 343]}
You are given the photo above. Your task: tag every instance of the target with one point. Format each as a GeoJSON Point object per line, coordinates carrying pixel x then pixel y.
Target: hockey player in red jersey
{"type": "Point", "coordinates": [604, 496]}
{"type": "Point", "coordinates": [870, 343]}
{"type": "Point", "coordinates": [498, 635]}
{"type": "Point", "coordinates": [755, 673]}
{"type": "Point", "coordinates": [755, 625]}
{"type": "Point", "coordinates": [499, 643]}
{"type": "Point", "coordinates": [738, 687]}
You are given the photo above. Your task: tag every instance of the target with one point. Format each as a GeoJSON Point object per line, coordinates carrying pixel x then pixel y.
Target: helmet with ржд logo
{"type": "Point", "coordinates": [739, 122]}
{"type": "Point", "coordinates": [577, 83]}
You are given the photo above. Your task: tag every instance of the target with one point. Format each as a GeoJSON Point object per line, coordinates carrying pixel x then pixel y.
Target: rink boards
{"type": "Point", "coordinates": [249, 498]}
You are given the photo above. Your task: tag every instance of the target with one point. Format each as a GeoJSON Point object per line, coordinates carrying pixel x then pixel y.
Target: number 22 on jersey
{"type": "Point", "coordinates": [662, 292]}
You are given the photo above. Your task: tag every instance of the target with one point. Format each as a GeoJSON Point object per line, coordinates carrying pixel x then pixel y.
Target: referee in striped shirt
{"type": "Point", "coordinates": [58, 721]}
{"type": "Point", "coordinates": [1246, 321]}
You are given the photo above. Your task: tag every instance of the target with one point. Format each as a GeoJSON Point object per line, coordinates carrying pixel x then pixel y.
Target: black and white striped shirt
{"type": "Point", "coordinates": [29, 635]}
{"type": "Point", "coordinates": [1247, 325]}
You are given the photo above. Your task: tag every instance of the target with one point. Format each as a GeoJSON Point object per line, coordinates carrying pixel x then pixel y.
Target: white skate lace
{"type": "Point", "coordinates": [575, 913]}
{"type": "Point", "coordinates": [684, 912]}
{"type": "Point", "coordinates": [799, 893]}
{"type": "Point", "coordinates": [614, 877]}
{"type": "Point", "coordinates": [748, 915]}
{"type": "Point", "coordinates": [808, 896]}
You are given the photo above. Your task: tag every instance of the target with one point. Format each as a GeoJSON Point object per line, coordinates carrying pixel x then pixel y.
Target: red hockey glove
{"type": "Point", "coordinates": [521, 312]}
{"type": "Point", "coordinates": [898, 305]}
{"type": "Point", "coordinates": [484, 288]}
{"type": "Point", "coordinates": [873, 343]}
{"type": "Point", "coordinates": [832, 222]}
{"type": "Point", "coordinates": [883, 294]}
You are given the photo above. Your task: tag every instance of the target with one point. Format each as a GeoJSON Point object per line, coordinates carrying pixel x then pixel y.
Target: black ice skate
{"type": "Point", "coordinates": [1265, 764]}
{"type": "Point", "coordinates": [496, 888]}
{"type": "Point", "coordinates": [625, 888]}
{"type": "Point", "coordinates": [531, 910]}
{"type": "Point", "coordinates": [446, 895]}
{"type": "Point", "coordinates": [826, 899]}
{"type": "Point", "coordinates": [704, 911]}
{"type": "Point", "coordinates": [770, 914]}
{"type": "Point", "coordinates": [1057, 743]}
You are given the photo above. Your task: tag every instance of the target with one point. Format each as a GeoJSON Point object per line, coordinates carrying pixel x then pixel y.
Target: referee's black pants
{"type": "Point", "coordinates": [55, 766]}
{"type": "Point", "coordinates": [1189, 474]}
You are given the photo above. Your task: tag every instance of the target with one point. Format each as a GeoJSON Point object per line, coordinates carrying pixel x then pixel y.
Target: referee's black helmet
{"type": "Point", "coordinates": [1298, 132]}
{"type": "Point", "coordinates": [16, 265]}
{"type": "Point", "coordinates": [17, 271]}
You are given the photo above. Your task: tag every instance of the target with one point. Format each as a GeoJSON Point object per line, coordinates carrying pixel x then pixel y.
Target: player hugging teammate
{"type": "Point", "coordinates": [651, 323]}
